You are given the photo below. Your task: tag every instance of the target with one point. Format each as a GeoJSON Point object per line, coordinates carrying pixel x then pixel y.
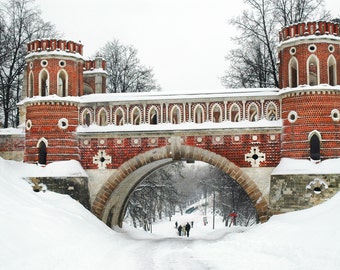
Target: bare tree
{"type": "Point", "coordinates": [125, 72]}
{"type": "Point", "coordinates": [293, 11]}
{"type": "Point", "coordinates": [20, 23]}
{"type": "Point", "coordinates": [253, 62]}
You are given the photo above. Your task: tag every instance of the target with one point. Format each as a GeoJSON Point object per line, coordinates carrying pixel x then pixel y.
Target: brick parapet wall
{"type": "Point", "coordinates": [234, 147]}
{"type": "Point", "coordinates": [12, 146]}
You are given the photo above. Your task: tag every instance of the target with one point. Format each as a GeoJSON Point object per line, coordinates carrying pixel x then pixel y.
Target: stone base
{"type": "Point", "coordinates": [300, 191]}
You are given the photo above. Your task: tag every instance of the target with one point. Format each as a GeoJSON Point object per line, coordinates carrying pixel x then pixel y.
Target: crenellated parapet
{"type": "Point", "coordinates": [54, 45]}
{"type": "Point", "coordinates": [309, 28]}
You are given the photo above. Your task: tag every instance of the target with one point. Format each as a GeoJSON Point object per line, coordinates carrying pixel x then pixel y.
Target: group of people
{"type": "Point", "coordinates": [185, 229]}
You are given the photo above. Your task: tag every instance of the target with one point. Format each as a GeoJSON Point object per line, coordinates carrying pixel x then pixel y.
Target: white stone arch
{"type": "Point", "coordinates": [136, 115]}
{"type": "Point", "coordinates": [175, 115]}
{"type": "Point", "coordinates": [216, 113]}
{"type": "Point", "coordinates": [153, 115]}
{"type": "Point", "coordinates": [30, 92]}
{"type": "Point", "coordinates": [119, 116]}
{"type": "Point", "coordinates": [103, 116]}
{"type": "Point", "coordinates": [42, 139]}
{"type": "Point", "coordinates": [253, 112]}
{"type": "Point", "coordinates": [86, 117]}
{"type": "Point", "coordinates": [293, 72]}
{"type": "Point", "coordinates": [271, 112]}
{"type": "Point", "coordinates": [313, 70]}
{"type": "Point", "coordinates": [199, 115]}
{"type": "Point", "coordinates": [62, 83]}
{"type": "Point", "coordinates": [44, 82]}
{"type": "Point", "coordinates": [235, 113]}
{"type": "Point", "coordinates": [332, 70]}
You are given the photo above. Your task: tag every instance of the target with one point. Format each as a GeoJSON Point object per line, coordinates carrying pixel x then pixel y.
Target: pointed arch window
{"type": "Point", "coordinates": [86, 117]}
{"type": "Point", "coordinates": [44, 83]}
{"type": "Point", "coordinates": [313, 70]}
{"type": "Point", "coordinates": [119, 117]}
{"type": "Point", "coordinates": [235, 115]}
{"type": "Point", "coordinates": [153, 116]}
{"type": "Point", "coordinates": [271, 112]}
{"type": "Point", "coordinates": [293, 72]}
{"type": "Point", "coordinates": [216, 113]}
{"type": "Point", "coordinates": [62, 83]}
{"type": "Point", "coordinates": [175, 115]}
{"type": "Point", "coordinates": [136, 116]}
{"type": "Point", "coordinates": [42, 151]}
{"type": "Point", "coordinates": [30, 85]}
{"type": "Point", "coordinates": [253, 112]}
{"type": "Point", "coordinates": [102, 117]}
{"type": "Point", "coordinates": [314, 142]}
{"type": "Point", "coordinates": [199, 114]}
{"type": "Point", "coordinates": [332, 78]}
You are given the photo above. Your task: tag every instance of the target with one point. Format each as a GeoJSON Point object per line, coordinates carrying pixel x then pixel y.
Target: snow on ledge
{"type": "Point", "coordinates": [303, 166]}
{"type": "Point", "coordinates": [67, 168]}
{"type": "Point", "coordinates": [183, 126]}
{"type": "Point", "coordinates": [12, 131]}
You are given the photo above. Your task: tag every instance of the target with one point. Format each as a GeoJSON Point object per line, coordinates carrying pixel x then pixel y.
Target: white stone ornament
{"type": "Point", "coordinates": [101, 159]}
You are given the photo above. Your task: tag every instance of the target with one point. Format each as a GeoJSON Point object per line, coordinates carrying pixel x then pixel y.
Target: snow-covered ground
{"type": "Point", "coordinates": [46, 231]}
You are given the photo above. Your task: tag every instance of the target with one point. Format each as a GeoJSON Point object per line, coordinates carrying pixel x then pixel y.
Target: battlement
{"type": "Point", "coordinates": [308, 29]}
{"type": "Point", "coordinates": [54, 45]}
{"type": "Point", "coordinates": [98, 63]}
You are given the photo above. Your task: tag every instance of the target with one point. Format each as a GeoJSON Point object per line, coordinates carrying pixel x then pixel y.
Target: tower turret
{"type": "Point", "coordinates": [54, 67]}
{"type": "Point", "coordinates": [54, 74]}
{"type": "Point", "coordinates": [309, 54]}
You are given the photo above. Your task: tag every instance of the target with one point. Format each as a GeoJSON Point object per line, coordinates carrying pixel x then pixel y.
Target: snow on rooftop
{"type": "Point", "coordinates": [302, 166]}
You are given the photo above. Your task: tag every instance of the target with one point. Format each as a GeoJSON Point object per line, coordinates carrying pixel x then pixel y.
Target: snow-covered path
{"type": "Point", "coordinates": [49, 231]}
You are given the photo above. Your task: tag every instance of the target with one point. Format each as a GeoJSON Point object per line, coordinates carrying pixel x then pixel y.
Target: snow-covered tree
{"type": "Point", "coordinates": [253, 62]}
{"type": "Point", "coordinates": [20, 22]}
{"type": "Point", "coordinates": [125, 73]}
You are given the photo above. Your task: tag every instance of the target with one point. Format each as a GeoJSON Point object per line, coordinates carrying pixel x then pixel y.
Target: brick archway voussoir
{"type": "Point", "coordinates": [182, 152]}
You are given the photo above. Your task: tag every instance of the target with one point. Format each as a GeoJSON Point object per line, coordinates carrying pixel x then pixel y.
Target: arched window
{"type": "Point", "coordinates": [62, 83]}
{"type": "Point", "coordinates": [312, 70]}
{"type": "Point", "coordinates": [235, 115]}
{"type": "Point", "coordinates": [253, 112]}
{"type": "Point", "coordinates": [86, 117]}
{"type": "Point", "coordinates": [136, 116]}
{"type": "Point", "coordinates": [332, 79]}
{"type": "Point", "coordinates": [102, 117]}
{"type": "Point", "coordinates": [216, 113]}
{"type": "Point", "coordinates": [30, 85]}
{"type": "Point", "coordinates": [175, 115]}
{"type": "Point", "coordinates": [314, 141]}
{"type": "Point", "coordinates": [271, 112]}
{"type": "Point", "coordinates": [119, 117]}
{"type": "Point", "coordinates": [153, 116]}
{"type": "Point", "coordinates": [293, 73]}
{"type": "Point", "coordinates": [42, 151]}
{"type": "Point", "coordinates": [43, 83]}
{"type": "Point", "coordinates": [199, 114]}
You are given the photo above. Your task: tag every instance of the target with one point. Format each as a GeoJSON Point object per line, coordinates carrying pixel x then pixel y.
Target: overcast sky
{"type": "Point", "coordinates": [184, 41]}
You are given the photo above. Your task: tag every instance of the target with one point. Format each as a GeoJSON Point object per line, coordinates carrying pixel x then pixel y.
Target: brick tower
{"type": "Point", "coordinates": [54, 73]}
{"type": "Point", "coordinates": [308, 55]}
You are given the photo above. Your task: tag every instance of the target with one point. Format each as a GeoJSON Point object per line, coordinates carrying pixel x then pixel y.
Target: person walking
{"type": "Point", "coordinates": [179, 230]}
{"type": "Point", "coordinates": [187, 228]}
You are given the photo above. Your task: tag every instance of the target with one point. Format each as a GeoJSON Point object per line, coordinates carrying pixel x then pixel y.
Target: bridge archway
{"type": "Point", "coordinates": [111, 200]}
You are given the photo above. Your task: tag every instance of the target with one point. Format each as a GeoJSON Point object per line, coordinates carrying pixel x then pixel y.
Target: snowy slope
{"type": "Point", "coordinates": [46, 230]}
